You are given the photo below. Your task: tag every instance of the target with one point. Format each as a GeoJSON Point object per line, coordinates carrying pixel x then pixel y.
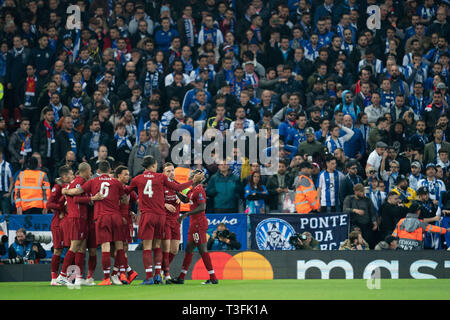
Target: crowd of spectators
{"type": "Point", "coordinates": [368, 108]}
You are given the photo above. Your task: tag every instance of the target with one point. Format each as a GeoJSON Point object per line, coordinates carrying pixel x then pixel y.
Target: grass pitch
{"type": "Point", "coordinates": [400, 289]}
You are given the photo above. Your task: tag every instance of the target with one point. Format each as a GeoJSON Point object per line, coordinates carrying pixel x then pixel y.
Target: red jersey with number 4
{"type": "Point", "coordinates": [111, 189]}
{"type": "Point", "coordinates": [197, 196]}
{"type": "Point", "coordinates": [74, 210]}
{"type": "Point", "coordinates": [151, 187]}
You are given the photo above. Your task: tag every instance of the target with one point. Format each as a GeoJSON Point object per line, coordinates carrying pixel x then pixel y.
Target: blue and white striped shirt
{"type": "Point", "coordinates": [329, 184]}
{"type": "Point", "coordinates": [5, 174]}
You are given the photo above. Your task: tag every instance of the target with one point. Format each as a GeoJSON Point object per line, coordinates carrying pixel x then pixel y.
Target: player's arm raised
{"type": "Point", "coordinates": [176, 186]}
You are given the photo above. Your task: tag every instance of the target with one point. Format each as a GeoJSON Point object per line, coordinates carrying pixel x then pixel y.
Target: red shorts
{"type": "Point", "coordinates": [151, 226]}
{"type": "Point", "coordinates": [91, 238]}
{"type": "Point", "coordinates": [57, 234]}
{"type": "Point", "coordinates": [74, 229]}
{"type": "Point", "coordinates": [109, 228]}
{"type": "Point", "coordinates": [172, 230]}
{"type": "Point", "coordinates": [197, 233]}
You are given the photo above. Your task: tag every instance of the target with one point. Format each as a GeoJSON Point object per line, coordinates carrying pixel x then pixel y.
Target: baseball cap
{"type": "Point", "coordinates": [416, 164]}
{"type": "Point", "coordinates": [309, 130]}
{"type": "Point", "coordinates": [381, 144]}
{"type": "Point", "coordinates": [422, 190]}
{"type": "Point", "coordinates": [431, 165]}
{"type": "Point", "coordinates": [290, 110]}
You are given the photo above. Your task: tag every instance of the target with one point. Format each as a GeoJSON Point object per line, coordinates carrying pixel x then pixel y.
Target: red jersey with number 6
{"type": "Point", "coordinates": [151, 187]}
{"type": "Point", "coordinates": [111, 189]}
{"type": "Point", "coordinates": [197, 196]}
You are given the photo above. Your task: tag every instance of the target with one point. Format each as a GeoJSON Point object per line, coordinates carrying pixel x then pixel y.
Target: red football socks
{"type": "Point", "coordinates": [158, 260]}
{"type": "Point", "coordinates": [171, 256]}
{"type": "Point", "coordinates": [55, 265]}
{"type": "Point", "coordinates": [165, 263]}
{"type": "Point", "coordinates": [68, 261]}
{"type": "Point", "coordinates": [148, 263]}
{"type": "Point", "coordinates": [92, 263]}
{"type": "Point", "coordinates": [208, 264]}
{"type": "Point", "coordinates": [186, 263]}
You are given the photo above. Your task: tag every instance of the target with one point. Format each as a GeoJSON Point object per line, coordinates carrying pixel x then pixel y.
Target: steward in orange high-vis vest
{"type": "Point", "coordinates": [32, 189]}
{"type": "Point", "coordinates": [410, 230]}
{"type": "Point", "coordinates": [306, 196]}
{"type": "Point", "coordinates": [182, 176]}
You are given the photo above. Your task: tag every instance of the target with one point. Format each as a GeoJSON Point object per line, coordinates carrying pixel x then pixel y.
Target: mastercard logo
{"type": "Point", "coordinates": [245, 265]}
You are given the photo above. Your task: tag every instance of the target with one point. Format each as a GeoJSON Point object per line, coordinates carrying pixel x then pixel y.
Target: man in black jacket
{"type": "Point", "coordinates": [66, 139]}
{"type": "Point", "coordinates": [351, 179]}
{"type": "Point", "coordinates": [391, 212]}
{"type": "Point", "coordinates": [93, 139]}
{"type": "Point", "coordinates": [43, 140]}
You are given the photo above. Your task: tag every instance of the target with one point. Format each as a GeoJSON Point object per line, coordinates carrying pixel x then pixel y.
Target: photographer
{"type": "Point", "coordinates": [223, 239]}
{"type": "Point", "coordinates": [355, 241]}
{"type": "Point", "coordinates": [304, 241]}
{"type": "Point", "coordinates": [25, 251]}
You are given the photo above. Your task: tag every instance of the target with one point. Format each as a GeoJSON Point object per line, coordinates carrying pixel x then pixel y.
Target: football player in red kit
{"type": "Point", "coordinates": [108, 220]}
{"type": "Point", "coordinates": [123, 175]}
{"type": "Point", "coordinates": [151, 187]}
{"type": "Point", "coordinates": [75, 224]}
{"type": "Point", "coordinates": [198, 227]}
{"type": "Point", "coordinates": [172, 235]}
{"type": "Point", "coordinates": [56, 204]}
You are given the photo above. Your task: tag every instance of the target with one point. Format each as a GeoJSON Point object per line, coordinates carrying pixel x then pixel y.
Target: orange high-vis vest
{"type": "Point", "coordinates": [413, 239]}
{"type": "Point", "coordinates": [306, 196]}
{"type": "Point", "coordinates": [32, 189]}
{"type": "Point", "coordinates": [182, 176]}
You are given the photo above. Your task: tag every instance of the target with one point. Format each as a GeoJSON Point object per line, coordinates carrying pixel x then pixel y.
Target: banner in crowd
{"type": "Point", "coordinates": [272, 232]}
{"type": "Point", "coordinates": [235, 222]}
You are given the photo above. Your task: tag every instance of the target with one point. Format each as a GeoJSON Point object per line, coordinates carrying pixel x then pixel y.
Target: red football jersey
{"type": "Point", "coordinates": [197, 196]}
{"type": "Point", "coordinates": [170, 197]}
{"type": "Point", "coordinates": [151, 187]}
{"type": "Point", "coordinates": [125, 208]}
{"type": "Point", "coordinates": [56, 201]}
{"type": "Point", "coordinates": [111, 189]}
{"type": "Point", "coordinates": [74, 210]}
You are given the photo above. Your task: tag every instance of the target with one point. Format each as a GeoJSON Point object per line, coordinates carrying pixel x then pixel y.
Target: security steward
{"type": "Point", "coordinates": [32, 190]}
{"type": "Point", "coordinates": [307, 198]}
{"type": "Point", "coordinates": [410, 230]}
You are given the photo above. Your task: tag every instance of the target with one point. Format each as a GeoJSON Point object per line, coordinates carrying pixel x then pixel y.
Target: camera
{"type": "Point", "coordinates": [223, 234]}
{"type": "Point", "coordinates": [4, 239]}
{"type": "Point", "coordinates": [41, 238]}
{"type": "Point", "coordinates": [293, 240]}
{"type": "Point", "coordinates": [16, 260]}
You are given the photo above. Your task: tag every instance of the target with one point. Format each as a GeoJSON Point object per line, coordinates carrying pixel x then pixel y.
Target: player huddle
{"type": "Point", "coordinates": [86, 216]}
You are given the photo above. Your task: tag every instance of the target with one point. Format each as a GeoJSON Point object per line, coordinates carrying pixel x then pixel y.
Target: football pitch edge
{"type": "Point", "coordinates": [399, 289]}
